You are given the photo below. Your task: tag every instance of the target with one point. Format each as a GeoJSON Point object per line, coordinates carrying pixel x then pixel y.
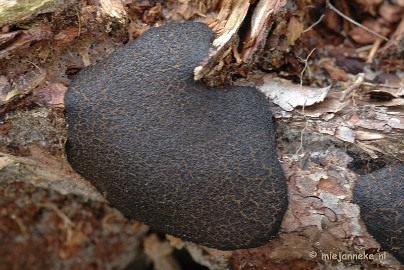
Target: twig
{"type": "Point", "coordinates": [305, 66]}
{"type": "Point", "coordinates": [381, 85]}
{"type": "Point", "coordinates": [354, 22]}
{"type": "Point", "coordinates": [34, 65]}
{"type": "Point", "coordinates": [314, 24]}
{"type": "Point", "coordinates": [66, 220]}
{"type": "Point", "coordinates": [358, 82]}
{"type": "Point", "coordinates": [364, 48]}
{"type": "Point", "coordinates": [79, 23]}
{"type": "Point", "coordinates": [375, 47]}
{"type": "Point", "coordinates": [20, 224]}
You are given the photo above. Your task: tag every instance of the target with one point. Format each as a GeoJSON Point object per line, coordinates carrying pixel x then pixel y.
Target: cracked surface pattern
{"type": "Point", "coordinates": [380, 196]}
{"type": "Point", "coordinates": [195, 162]}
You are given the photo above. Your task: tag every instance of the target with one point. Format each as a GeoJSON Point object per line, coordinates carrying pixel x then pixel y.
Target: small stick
{"type": "Point", "coordinates": [35, 65]}
{"type": "Point", "coordinates": [305, 66]}
{"type": "Point", "coordinates": [358, 82]}
{"type": "Point", "coordinates": [314, 24]}
{"type": "Point", "coordinates": [375, 47]}
{"type": "Point", "coordinates": [354, 22]}
{"type": "Point", "coordinates": [79, 23]}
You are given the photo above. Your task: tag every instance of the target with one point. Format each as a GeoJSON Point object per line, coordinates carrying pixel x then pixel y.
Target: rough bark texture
{"type": "Point", "coordinates": [51, 218]}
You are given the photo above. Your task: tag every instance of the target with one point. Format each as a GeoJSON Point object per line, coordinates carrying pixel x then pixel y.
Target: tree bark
{"type": "Point", "coordinates": [325, 140]}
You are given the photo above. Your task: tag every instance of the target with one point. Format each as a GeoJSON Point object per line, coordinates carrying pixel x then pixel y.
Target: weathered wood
{"type": "Point", "coordinates": [323, 147]}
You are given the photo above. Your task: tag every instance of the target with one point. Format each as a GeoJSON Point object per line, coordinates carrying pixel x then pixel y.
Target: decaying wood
{"type": "Point", "coordinates": [327, 135]}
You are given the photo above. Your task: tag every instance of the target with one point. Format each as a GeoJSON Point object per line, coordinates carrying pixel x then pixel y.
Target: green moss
{"type": "Point", "coordinates": [20, 9]}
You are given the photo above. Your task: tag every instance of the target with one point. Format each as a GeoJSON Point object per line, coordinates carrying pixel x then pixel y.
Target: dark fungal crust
{"type": "Point", "coordinates": [194, 162]}
{"type": "Point", "coordinates": [380, 196]}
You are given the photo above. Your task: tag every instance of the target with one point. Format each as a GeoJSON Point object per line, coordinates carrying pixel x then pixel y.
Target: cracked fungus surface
{"type": "Point", "coordinates": [195, 162]}
{"type": "Point", "coordinates": [380, 196]}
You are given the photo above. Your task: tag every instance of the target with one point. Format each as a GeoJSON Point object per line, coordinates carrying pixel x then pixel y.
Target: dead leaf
{"type": "Point", "coordinates": [289, 96]}
{"type": "Point", "coordinates": [336, 74]}
{"type": "Point", "coordinates": [391, 13]}
{"type": "Point", "coordinates": [363, 36]}
{"type": "Point", "coordinates": [295, 29]}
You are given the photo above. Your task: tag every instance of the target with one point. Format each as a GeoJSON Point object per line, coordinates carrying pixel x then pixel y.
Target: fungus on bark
{"type": "Point", "coordinates": [195, 162]}
{"type": "Point", "coordinates": [380, 196]}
